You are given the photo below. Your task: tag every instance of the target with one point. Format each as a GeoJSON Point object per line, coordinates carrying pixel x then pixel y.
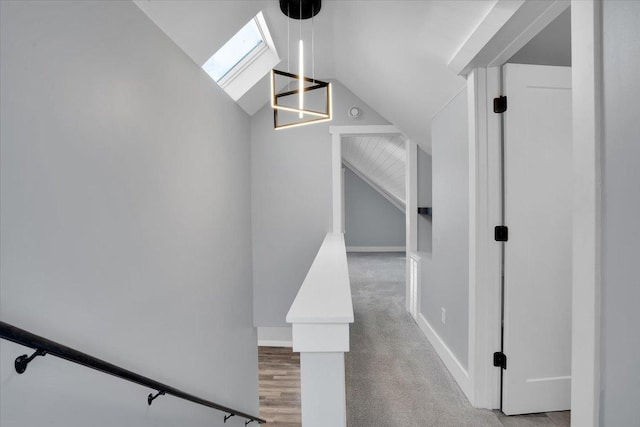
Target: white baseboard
{"type": "Point", "coordinates": [267, 343]}
{"type": "Point", "coordinates": [376, 248]}
{"type": "Point", "coordinates": [274, 336]}
{"type": "Point", "coordinates": [454, 366]}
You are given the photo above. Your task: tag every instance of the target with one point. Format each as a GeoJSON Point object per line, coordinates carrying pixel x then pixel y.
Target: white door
{"type": "Point", "coordinates": [537, 296]}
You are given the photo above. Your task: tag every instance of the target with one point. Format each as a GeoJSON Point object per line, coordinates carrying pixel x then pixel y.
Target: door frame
{"type": "Point", "coordinates": [411, 195]}
{"type": "Point", "coordinates": [508, 27]}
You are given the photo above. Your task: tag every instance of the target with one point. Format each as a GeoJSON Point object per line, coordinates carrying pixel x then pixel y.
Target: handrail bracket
{"type": "Point", "coordinates": [23, 361]}
{"type": "Point", "coordinates": [151, 397]}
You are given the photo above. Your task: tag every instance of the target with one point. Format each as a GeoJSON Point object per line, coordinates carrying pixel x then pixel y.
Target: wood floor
{"type": "Point", "coordinates": [279, 370]}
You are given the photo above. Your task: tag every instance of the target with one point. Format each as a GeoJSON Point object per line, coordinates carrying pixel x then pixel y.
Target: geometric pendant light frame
{"type": "Point", "coordinates": [307, 116]}
{"type": "Point", "coordinates": [299, 85]}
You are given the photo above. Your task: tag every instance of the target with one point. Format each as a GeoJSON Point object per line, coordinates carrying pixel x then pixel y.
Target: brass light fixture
{"type": "Point", "coordinates": [296, 99]}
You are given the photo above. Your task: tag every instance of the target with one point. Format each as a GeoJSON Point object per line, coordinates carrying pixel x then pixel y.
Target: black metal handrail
{"type": "Point", "coordinates": [43, 346]}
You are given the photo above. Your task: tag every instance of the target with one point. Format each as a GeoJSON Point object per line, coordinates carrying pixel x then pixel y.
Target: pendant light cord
{"type": "Point", "coordinates": [288, 37]}
{"type": "Point", "coordinates": [313, 38]}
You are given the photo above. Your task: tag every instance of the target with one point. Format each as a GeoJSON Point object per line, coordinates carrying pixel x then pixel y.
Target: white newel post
{"type": "Point", "coordinates": [320, 317]}
{"type": "Point", "coordinates": [322, 377]}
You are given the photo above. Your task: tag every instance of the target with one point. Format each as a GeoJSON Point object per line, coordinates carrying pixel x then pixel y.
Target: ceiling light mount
{"type": "Point", "coordinates": [296, 9]}
{"type": "Point", "coordinates": [354, 112]}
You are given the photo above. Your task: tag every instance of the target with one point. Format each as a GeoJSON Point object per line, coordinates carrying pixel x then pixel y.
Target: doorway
{"type": "Point", "coordinates": [398, 197]}
{"type": "Point", "coordinates": [374, 192]}
{"type": "Point", "coordinates": [480, 59]}
{"type": "Point", "coordinates": [537, 211]}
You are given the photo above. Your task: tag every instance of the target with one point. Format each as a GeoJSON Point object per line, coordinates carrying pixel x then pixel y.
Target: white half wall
{"type": "Point", "coordinates": [291, 199]}
{"type": "Point", "coordinates": [125, 220]}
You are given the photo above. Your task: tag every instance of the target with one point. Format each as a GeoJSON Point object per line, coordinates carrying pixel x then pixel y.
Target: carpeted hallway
{"type": "Point", "coordinates": [394, 376]}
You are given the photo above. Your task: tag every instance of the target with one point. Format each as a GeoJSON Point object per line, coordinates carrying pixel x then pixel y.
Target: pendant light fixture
{"type": "Point", "coordinates": [297, 99]}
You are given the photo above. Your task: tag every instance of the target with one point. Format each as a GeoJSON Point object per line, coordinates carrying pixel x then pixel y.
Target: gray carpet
{"type": "Point", "coordinates": [394, 376]}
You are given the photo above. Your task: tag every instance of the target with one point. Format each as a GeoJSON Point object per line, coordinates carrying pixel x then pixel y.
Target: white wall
{"type": "Point", "coordinates": [125, 220]}
{"type": "Point", "coordinates": [445, 278]}
{"type": "Point", "coordinates": [424, 200]}
{"type": "Point", "coordinates": [291, 201]}
{"type": "Point", "coordinates": [620, 354]}
{"type": "Point", "coordinates": [370, 219]}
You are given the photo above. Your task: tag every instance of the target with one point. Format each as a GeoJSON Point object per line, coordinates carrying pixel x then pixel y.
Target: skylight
{"type": "Point", "coordinates": [246, 43]}
{"type": "Point", "coordinates": [244, 60]}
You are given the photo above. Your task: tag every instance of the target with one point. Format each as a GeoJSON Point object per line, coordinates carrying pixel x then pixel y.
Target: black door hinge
{"type": "Point", "coordinates": [500, 360]}
{"type": "Point", "coordinates": [501, 233]}
{"type": "Point", "coordinates": [500, 104]}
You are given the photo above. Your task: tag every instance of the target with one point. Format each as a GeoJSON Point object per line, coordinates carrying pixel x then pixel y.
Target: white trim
{"type": "Point", "coordinates": [411, 211]}
{"type": "Point", "coordinates": [270, 343]}
{"type": "Point", "coordinates": [477, 120]}
{"type": "Point", "coordinates": [336, 166]}
{"type": "Point", "coordinates": [417, 257]}
{"type": "Point", "coordinates": [504, 31]}
{"type": "Point", "coordinates": [253, 55]}
{"type": "Point", "coordinates": [484, 253]}
{"type": "Point", "coordinates": [415, 282]}
{"type": "Point", "coordinates": [343, 198]}
{"type": "Point", "coordinates": [376, 248]}
{"type": "Point", "coordinates": [274, 336]}
{"type": "Point", "coordinates": [452, 363]}
{"type": "Point", "coordinates": [498, 16]}
{"type": "Point", "coordinates": [266, 34]}
{"type": "Point", "coordinates": [364, 130]}
{"type": "Point", "coordinates": [337, 184]}
{"type": "Point", "coordinates": [535, 17]}
{"type": "Point", "coordinates": [587, 86]}
{"type": "Point", "coordinates": [586, 58]}
{"type": "Point", "coordinates": [321, 337]}
{"type": "Point", "coordinates": [507, 27]}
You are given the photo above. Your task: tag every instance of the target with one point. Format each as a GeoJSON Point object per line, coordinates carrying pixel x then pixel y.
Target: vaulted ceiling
{"type": "Point", "coordinates": [391, 54]}
{"type": "Point", "coordinates": [380, 161]}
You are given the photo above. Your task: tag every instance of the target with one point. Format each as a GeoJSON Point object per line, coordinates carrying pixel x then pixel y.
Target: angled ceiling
{"type": "Point", "coordinates": [380, 161]}
{"type": "Point", "coordinates": [391, 54]}
{"type": "Point", "coordinates": [394, 56]}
